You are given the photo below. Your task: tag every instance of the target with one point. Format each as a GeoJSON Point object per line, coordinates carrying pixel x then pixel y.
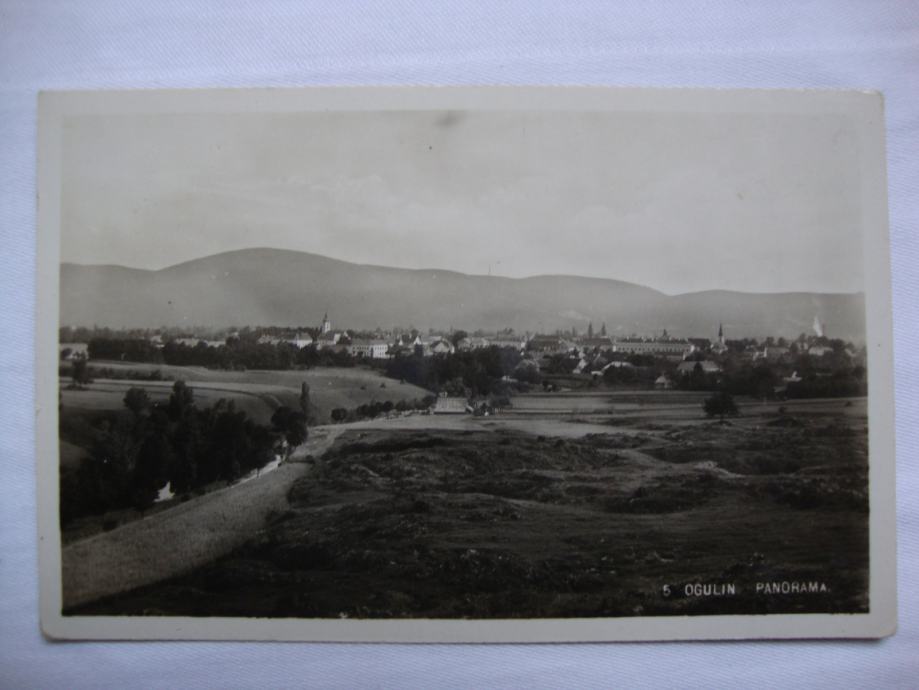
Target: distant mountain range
{"type": "Point", "coordinates": [262, 287]}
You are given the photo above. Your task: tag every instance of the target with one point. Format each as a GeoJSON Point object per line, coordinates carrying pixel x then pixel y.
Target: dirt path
{"type": "Point", "coordinates": [182, 538]}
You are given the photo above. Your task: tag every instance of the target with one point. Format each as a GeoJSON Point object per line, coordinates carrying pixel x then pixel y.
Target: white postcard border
{"type": "Point", "coordinates": [866, 109]}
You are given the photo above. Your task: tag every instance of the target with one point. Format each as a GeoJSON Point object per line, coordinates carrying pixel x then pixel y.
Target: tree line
{"type": "Point", "coordinates": [235, 353]}
{"type": "Point", "coordinates": [133, 456]}
{"type": "Point", "coordinates": [376, 408]}
{"type": "Point", "coordinates": [476, 372]}
{"type": "Point", "coordinates": [767, 380]}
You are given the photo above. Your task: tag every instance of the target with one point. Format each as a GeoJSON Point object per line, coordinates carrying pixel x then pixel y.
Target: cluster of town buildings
{"type": "Point", "coordinates": [594, 353]}
{"type": "Point", "coordinates": [664, 345]}
{"type": "Point", "coordinates": [328, 338]}
{"type": "Point", "coordinates": [405, 343]}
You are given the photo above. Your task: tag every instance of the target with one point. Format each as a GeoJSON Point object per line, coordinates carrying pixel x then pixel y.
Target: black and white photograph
{"type": "Point", "coordinates": [497, 364]}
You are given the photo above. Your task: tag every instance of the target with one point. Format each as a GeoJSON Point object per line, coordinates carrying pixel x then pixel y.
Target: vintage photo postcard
{"type": "Point", "coordinates": [464, 365]}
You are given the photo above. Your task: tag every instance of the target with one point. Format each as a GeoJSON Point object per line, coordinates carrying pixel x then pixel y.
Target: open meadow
{"type": "Point", "coordinates": [612, 505]}
{"type": "Point", "coordinates": [330, 387]}
{"type": "Point", "coordinates": [258, 401]}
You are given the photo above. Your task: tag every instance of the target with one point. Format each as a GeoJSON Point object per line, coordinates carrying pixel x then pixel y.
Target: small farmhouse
{"type": "Point", "coordinates": [300, 340]}
{"type": "Point", "coordinates": [663, 383]}
{"type": "Point", "coordinates": [440, 346]}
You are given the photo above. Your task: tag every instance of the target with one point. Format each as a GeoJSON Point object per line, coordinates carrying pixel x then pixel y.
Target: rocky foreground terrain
{"type": "Point", "coordinates": [501, 523]}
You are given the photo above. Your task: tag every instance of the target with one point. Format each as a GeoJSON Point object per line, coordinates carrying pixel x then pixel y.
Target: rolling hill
{"type": "Point", "coordinates": [287, 288]}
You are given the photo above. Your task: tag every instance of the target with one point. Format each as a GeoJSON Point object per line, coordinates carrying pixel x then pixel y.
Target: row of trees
{"type": "Point", "coordinates": [765, 380]}
{"type": "Point", "coordinates": [131, 349]}
{"type": "Point", "coordinates": [83, 334]}
{"type": "Point", "coordinates": [377, 408]}
{"type": "Point", "coordinates": [134, 456]}
{"type": "Point", "coordinates": [236, 353]}
{"type": "Point", "coordinates": [474, 372]}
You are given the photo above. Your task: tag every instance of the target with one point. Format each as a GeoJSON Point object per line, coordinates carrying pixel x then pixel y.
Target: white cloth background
{"type": "Point", "coordinates": [61, 44]}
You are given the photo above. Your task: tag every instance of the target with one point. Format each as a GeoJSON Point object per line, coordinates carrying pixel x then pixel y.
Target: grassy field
{"type": "Point", "coordinates": [487, 517]}
{"type": "Point", "coordinates": [330, 387]}
{"type": "Point", "coordinates": [259, 402]}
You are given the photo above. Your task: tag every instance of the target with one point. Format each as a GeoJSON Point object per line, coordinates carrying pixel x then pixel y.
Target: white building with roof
{"type": "Point", "coordinates": [300, 340]}
{"type": "Point", "coordinates": [641, 346]}
{"type": "Point", "coordinates": [371, 349]}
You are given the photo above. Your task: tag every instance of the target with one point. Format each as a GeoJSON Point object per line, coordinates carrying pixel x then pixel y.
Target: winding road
{"type": "Point", "coordinates": [175, 541]}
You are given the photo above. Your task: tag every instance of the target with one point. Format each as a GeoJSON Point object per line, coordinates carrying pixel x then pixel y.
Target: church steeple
{"type": "Point", "coordinates": [326, 324]}
{"type": "Point", "coordinates": [721, 334]}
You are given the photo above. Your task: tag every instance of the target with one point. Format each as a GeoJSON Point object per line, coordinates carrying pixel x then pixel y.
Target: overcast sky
{"type": "Point", "coordinates": [679, 202]}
